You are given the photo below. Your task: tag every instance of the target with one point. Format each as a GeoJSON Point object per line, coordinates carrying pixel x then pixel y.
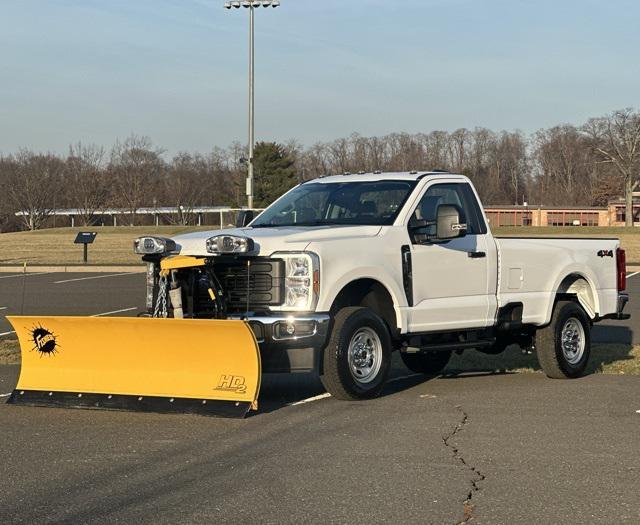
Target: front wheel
{"type": "Point", "coordinates": [564, 345]}
{"type": "Point", "coordinates": [357, 359]}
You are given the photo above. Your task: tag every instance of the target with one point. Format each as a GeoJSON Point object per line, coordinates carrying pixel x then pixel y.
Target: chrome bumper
{"type": "Point", "coordinates": [289, 343]}
{"type": "Point", "coordinates": [297, 329]}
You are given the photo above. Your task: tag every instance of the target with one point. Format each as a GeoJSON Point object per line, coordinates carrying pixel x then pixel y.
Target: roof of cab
{"type": "Point", "coordinates": [377, 175]}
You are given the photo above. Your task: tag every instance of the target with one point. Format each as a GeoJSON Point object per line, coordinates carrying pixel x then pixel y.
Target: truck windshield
{"type": "Point", "coordinates": [354, 203]}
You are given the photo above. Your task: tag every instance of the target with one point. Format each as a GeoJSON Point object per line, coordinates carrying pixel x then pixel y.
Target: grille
{"type": "Point", "coordinates": [262, 282]}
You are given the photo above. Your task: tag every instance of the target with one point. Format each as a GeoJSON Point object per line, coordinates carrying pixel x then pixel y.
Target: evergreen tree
{"type": "Point", "coordinates": [274, 172]}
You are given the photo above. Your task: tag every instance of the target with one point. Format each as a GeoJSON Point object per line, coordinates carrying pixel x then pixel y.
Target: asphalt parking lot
{"type": "Point", "coordinates": [119, 294]}
{"type": "Point", "coordinates": [482, 448]}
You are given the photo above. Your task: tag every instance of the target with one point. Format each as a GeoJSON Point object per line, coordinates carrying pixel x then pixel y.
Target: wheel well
{"type": "Point", "coordinates": [369, 293]}
{"type": "Point", "coordinates": [576, 286]}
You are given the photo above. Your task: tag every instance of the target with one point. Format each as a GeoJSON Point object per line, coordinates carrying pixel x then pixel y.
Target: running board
{"type": "Point", "coordinates": [456, 345]}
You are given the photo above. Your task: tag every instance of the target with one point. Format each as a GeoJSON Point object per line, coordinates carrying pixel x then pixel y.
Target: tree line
{"type": "Point", "coordinates": [583, 165]}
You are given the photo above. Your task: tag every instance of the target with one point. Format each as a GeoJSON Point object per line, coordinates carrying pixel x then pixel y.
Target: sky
{"type": "Point", "coordinates": [176, 70]}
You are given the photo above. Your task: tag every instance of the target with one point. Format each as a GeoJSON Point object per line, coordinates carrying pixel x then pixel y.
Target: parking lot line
{"type": "Point", "coordinates": [310, 399]}
{"type": "Point", "coordinates": [116, 311]}
{"type": "Point", "coordinates": [93, 277]}
{"type": "Point", "coordinates": [632, 274]}
{"type": "Point", "coordinates": [23, 275]}
{"type": "Point", "coordinates": [7, 333]}
{"type": "Point", "coordinates": [3, 307]}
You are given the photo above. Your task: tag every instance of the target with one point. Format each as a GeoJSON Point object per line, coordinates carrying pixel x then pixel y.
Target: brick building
{"type": "Point", "coordinates": [611, 215]}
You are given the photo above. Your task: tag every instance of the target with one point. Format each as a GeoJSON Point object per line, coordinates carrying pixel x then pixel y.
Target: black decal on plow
{"type": "Point", "coordinates": [44, 341]}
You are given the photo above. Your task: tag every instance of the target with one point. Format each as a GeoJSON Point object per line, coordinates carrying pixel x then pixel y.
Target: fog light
{"type": "Point", "coordinates": [294, 329]}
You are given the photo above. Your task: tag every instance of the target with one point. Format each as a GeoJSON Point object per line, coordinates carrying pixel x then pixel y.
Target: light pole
{"type": "Point", "coordinates": [251, 6]}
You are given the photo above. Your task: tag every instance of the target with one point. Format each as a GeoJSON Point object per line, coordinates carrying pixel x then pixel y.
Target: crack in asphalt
{"type": "Point", "coordinates": [467, 505]}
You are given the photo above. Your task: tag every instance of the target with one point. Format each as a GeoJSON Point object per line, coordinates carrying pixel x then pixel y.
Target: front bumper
{"type": "Point", "coordinates": [290, 343]}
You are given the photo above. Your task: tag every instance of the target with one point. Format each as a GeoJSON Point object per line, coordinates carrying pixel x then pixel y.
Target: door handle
{"type": "Point", "coordinates": [476, 255]}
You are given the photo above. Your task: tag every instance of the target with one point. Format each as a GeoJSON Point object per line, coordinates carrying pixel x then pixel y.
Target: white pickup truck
{"type": "Point", "coordinates": [343, 270]}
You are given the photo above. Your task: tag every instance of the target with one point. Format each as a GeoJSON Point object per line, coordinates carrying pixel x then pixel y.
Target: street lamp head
{"type": "Point", "coordinates": [251, 3]}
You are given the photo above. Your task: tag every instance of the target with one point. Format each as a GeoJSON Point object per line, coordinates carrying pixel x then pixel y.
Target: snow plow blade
{"type": "Point", "coordinates": [209, 367]}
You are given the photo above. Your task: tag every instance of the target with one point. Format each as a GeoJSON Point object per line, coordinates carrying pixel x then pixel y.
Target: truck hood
{"type": "Point", "coordinates": [270, 240]}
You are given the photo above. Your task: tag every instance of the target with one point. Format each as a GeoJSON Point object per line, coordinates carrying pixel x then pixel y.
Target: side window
{"type": "Point", "coordinates": [459, 194]}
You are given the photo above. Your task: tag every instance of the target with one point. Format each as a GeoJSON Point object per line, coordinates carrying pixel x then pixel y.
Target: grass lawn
{"type": "Point", "coordinates": [114, 245]}
{"type": "Point", "coordinates": [615, 359]}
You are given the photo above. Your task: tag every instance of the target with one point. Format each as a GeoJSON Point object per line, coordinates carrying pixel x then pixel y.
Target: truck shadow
{"type": "Point", "coordinates": [282, 390]}
{"type": "Point", "coordinates": [615, 358]}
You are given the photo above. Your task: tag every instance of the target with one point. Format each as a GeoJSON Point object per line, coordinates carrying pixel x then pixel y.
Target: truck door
{"type": "Point", "coordinates": [454, 282]}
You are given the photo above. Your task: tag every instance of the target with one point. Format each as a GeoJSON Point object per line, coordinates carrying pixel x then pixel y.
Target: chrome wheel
{"type": "Point", "coordinates": [365, 355]}
{"type": "Point", "coordinates": [573, 340]}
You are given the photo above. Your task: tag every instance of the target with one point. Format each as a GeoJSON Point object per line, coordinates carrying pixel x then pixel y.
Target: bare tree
{"type": "Point", "coordinates": [616, 138]}
{"type": "Point", "coordinates": [566, 166]}
{"type": "Point", "coordinates": [182, 185]}
{"type": "Point", "coordinates": [135, 168]}
{"type": "Point", "coordinates": [32, 184]}
{"type": "Point", "coordinates": [85, 181]}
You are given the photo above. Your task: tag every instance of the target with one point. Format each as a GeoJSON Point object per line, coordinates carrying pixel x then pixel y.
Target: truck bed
{"type": "Point", "coordinates": [532, 269]}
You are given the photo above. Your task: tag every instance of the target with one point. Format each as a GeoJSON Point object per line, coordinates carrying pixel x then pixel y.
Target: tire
{"type": "Point", "coordinates": [348, 374]}
{"type": "Point", "coordinates": [430, 363]}
{"type": "Point", "coordinates": [564, 345]}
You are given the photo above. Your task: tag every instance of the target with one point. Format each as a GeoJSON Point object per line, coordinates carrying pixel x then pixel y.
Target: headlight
{"type": "Point", "coordinates": [153, 245]}
{"type": "Point", "coordinates": [302, 280]}
{"type": "Point", "coordinates": [229, 244]}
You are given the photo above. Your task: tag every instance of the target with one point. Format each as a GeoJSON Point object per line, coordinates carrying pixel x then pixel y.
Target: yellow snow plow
{"type": "Point", "coordinates": [199, 366]}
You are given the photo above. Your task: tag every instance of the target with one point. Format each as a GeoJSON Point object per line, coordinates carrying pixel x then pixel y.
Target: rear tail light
{"type": "Point", "coordinates": [621, 268]}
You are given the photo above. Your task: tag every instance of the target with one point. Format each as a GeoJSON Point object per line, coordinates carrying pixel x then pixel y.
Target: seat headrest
{"type": "Point", "coordinates": [367, 208]}
{"type": "Point", "coordinates": [428, 208]}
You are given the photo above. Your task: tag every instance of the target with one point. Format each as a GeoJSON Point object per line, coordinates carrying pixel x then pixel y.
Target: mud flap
{"type": "Point", "coordinates": [203, 366]}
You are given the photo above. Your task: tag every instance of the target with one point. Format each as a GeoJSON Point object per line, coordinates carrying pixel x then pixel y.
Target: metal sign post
{"type": "Point", "coordinates": [85, 238]}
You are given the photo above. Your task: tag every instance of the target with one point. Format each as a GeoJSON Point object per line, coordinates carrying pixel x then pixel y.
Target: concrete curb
{"type": "Point", "coordinates": [74, 269]}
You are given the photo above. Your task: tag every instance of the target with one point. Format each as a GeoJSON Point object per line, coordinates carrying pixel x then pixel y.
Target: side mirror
{"type": "Point", "coordinates": [450, 222]}
{"type": "Point", "coordinates": [244, 218]}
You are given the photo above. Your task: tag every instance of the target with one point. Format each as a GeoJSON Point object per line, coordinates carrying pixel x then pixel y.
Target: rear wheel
{"type": "Point", "coordinates": [357, 359]}
{"type": "Point", "coordinates": [430, 363]}
{"type": "Point", "coordinates": [564, 346]}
